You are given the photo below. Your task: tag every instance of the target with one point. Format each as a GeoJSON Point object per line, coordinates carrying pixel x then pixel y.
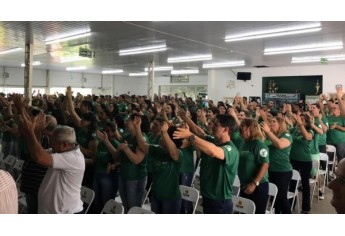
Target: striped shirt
{"type": "Point", "coordinates": [8, 194]}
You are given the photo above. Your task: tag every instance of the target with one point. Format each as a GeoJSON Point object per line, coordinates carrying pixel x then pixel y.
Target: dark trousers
{"type": "Point", "coordinates": [259, 197]}
{"type": "Point", "coordinates": [217, 206]}
{"type": "Point", "coordinates": [165, 206]}
{"type": "Point", "coordinates": [282, 181]}
{"type": "Point", "coordinates": [304, 168]}
{"type": "Point", "coordinates": [186, 180]}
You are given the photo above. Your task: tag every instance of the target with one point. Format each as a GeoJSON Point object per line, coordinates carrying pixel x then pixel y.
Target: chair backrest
{"type": "Point", "coordinates": [272, 193]}
{"type": "Point", "coordinates": [190, 194]}
{"type": "Point", "coordinates": [146, 196]}
{"type": "Point", "coordinates": [16, 171]}
{"type": "Point", "coordinates": [196, 174]}
{"type": "Point", "coordinates": [236, 187]}
{"type": "Point", "coordinates": [113, 207]}
{"type": "Point", "coordinates": [324, 157]}
{"type": "Point", "coordinates": [9, 162]}
{"type": "Point", "coordinates": [296, 178]}
{"type": "Point", "coordinates": [139, 210]}
{"type": "Point", "coordinates": [87, 195]}
{"type": "Point", "coordinates": [332, 151]}
{"type": "Point", "coordinates": [243, 205]}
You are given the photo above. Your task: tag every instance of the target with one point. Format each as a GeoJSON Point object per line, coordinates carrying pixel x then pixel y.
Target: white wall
{"type": "Point", "coordinates": [218, 79]}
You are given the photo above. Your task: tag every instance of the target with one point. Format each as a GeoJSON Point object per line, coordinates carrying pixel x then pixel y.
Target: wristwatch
{"type": "Point", "coordinates": [191, 138]}
{"type": "Point", "coordinates": [256, 183]}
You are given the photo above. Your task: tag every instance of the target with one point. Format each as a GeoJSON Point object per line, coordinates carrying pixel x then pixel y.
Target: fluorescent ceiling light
{"type": "Point", "coordinates": [304, 48]}
{"type": "Point", "coordinates": [288, 30]}
{"type": "Point", "coordinates": [104, 72]}
{"type": "Point", "coordinates": [76, 68]}
{"type": "Point", "coordinates": [184, 72]}
{"type": "Point", "coordinates": [190, 58]}
{"type": "Point", "coordinates": [67, 37]}
{"type": "Point", "coordinates": [139, 74]}
{"type": "Point", "coordinates": [340, 57]}
{"type": "Point", "coordinates": [71, 59]}
{"type": "Point", "coordinates": [144, 49]}
{"type": "Point", "coordinates": [10, 50]}
{"type": "Point", "coordinates": [161, 68]}
{"type": "Point", "coordinates": [223, 64]}
{"type": "Point", "coordinates": [35, 63]}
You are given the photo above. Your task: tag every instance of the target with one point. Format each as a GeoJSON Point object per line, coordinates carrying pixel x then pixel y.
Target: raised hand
{"type": "Point", "coordinates": [137, 121]}
{"type": "Point", "coordinates": [102, 135]}
{"type": "Point", "coordinates": [182, 113]}
{"type": "Point", "coordinates": [182, 132]}
{"type": "Point", "coordinates": [265, 127]}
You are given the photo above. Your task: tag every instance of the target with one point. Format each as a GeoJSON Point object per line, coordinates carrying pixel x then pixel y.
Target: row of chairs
{"type": "Point", "coordinates": [115, 207]}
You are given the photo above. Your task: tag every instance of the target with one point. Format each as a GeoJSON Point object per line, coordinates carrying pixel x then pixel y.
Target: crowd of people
{"type": "Point", "coordinates": [127, 145]}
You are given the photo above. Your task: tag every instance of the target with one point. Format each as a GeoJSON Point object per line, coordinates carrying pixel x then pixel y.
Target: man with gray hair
{"type": "Point", "coordinates": [60, 189]}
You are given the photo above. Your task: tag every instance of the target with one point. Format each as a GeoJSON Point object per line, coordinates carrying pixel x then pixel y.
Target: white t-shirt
{"type": "Point", "coordinates": [59, 192]}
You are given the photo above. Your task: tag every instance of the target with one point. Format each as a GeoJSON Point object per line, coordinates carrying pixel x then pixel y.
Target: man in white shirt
{"type": "Point", "coordinates": [59, 192]}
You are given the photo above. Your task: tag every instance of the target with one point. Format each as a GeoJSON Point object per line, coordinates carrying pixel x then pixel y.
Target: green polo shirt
{"type": "Point", "coordinates": [280, 158]}
{"type": "Point", "coordinates": [252, 156]}
{"type": "Point", "coordinates": [165, 174]}
{"type": "Point", "coordinates": [217, 176]}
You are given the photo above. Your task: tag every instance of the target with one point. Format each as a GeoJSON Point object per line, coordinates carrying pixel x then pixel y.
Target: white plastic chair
{"type": "Point", "coordinates": [196, 174]}
{"type": "Point", "coordinates": [16, 171]}
{"type": "Point", "coordinates": [324, 157]}
{"type": "Point", "coordinates": [7, 163]}
{"type": "Point", "coordinates": [331, 161]}
{"type": "Point", "coordinates": [139, 210]}
{"type": "Point", "coordinates": [146, 203]}
{"type": "Point", "coordinates": [236, 187]}
{"type": "Point", "coordinates": [243, 205]}
{"type": "Point", "coordinates": [112, 207]}
{"type": "Point", "coordinates": [272, 195]}
{"type": "Point", "coordinates": [296, 177]}
{"type": "Point", "coordinates": [190, 194]}
{"type": "Point", "coordinates": [314, 181]}
{"type": "Point", "coordinates": [87, 195]}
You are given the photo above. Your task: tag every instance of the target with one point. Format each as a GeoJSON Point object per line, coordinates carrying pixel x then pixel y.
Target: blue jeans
{"type": "Point", "coordinates": [259, 197]}
{"type": "Point", "coordinates": [186, 180]}
{"type": "Point", "coordinates": [132, 192]}
{"type": "Point", "coordinates": [282, 181]}
{"type": "Point", "coordinates": [105, 186]}
{"type": "Point", "coordinates": [165, 206]}
{"type": "Point", "coordinates": [304, 168]}
{"type": "Point", "coordinates": [217, 206]}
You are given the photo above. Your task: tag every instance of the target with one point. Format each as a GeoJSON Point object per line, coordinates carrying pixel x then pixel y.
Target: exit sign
{"type": "Point", "coordinates": [84, 52]}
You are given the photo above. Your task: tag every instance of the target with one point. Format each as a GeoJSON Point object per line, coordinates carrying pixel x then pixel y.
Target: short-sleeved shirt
{"type": "Point", "coordinates": [336, 136]}
{"type": "Point", "coordinates": [104, 157]}
{"type": "Point", "coordinates": [151, 140]}
{"type": "Point", "coordinates": [253, 154]}
{"type": "Point", "coordinates": [128, 170]}
{"type": "Point", "coordinates": [323, 137]}
{"type": "Point", "coordinates": [84, 137]}
{"type": "Point", "coordinates": [237, 139]}
{"type": "Point", "coordinates": [280, 158]}
{"type": "Point", "coordinates": [187, 165]}
{"type": "Point", "coordinates": [300, 150]}
{"type": "Point", "coordinates": [59, 192]}
{"type": "Point", "coordinates": [217, 176]}
{"type": "Point", "coordinates": [165, 174]}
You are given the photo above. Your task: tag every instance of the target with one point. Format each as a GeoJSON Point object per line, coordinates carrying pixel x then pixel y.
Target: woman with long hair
{"type": "Point", "coordinates": [253, 165]}
{"type": "Point", "coordinates": [280, 170]}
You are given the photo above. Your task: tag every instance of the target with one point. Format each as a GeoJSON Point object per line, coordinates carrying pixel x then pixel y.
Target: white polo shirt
{"type": "Point", "coordinates": [59, 192]}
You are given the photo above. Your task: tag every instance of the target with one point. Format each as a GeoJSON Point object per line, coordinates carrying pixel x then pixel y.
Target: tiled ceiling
{"type": "Point", "coordinates": [181, 38]}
